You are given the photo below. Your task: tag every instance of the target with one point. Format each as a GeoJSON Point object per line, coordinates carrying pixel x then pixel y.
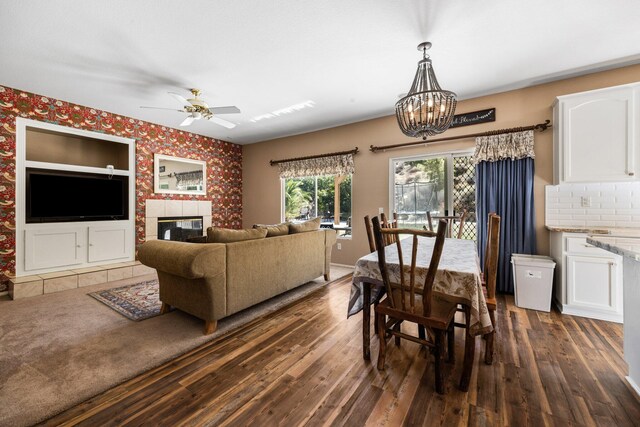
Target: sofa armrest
{"type": "Point", "coordinates": [188, 260]}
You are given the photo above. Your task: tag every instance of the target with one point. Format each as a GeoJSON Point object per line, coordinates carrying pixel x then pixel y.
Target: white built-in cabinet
{"type": "Point", "coordinates": [48, 247]}
{"type": "Point", "coordinates": [588, 280]}
{"type": "Point", "coordinates": [597, 135]}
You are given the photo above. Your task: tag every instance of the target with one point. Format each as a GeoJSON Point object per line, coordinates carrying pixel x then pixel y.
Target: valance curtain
{"type": "Point", "coordinates": [505, 173]}
{"type": "Point", "coordinates": [189, 178]}
{"type": "Point", "coordinates": [341, 164]}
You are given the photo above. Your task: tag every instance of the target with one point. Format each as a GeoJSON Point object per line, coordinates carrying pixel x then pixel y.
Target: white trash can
{"type": "Point", "coordinates": [533, 279]}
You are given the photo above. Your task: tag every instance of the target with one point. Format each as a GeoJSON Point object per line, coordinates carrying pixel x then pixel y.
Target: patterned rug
{"type": "Point", "coordinates": [136, 302]}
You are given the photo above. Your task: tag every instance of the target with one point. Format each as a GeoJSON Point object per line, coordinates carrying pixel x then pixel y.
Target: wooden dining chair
{"type": "Point", "coordinates": [489, 276]}
{"type": "Point", "coordinates": [384, 223]}
{"type": "Point", "coordinates": [369, 228]}
{"type": "Point", "coordinates": [412, 302]}
{"type": "Point", "coordinates": [451, 219]}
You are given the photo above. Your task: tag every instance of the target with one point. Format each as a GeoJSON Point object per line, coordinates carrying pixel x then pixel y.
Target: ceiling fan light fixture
{"type": "Point", "coordinates": [427, 109]}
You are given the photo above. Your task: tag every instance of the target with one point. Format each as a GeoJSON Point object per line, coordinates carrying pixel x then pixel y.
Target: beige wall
{"type": "Point", "coordinates": [262, 188]}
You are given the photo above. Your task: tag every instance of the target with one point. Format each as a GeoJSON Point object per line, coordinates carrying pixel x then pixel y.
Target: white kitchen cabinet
{"type": "Point", "coordinates": [588, 280]}
{"type": "Point", "coordinates": [597, 136]}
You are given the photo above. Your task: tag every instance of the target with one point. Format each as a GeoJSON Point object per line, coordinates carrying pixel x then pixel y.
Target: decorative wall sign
{"type": "Point", "coordinates": [474, 118]}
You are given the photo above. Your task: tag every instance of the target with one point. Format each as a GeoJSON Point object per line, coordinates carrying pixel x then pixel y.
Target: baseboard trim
{"type": "Point", "coordinates": [342, 265]}
{"type": "Point", "coordinates": [631, 385]}
{"type": "Point", "coordinates": [592, 314]}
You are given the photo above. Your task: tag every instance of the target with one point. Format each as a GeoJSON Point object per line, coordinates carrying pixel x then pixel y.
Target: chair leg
{"type": "Point", "coordinates": [396, 328]}
{"type": "Point", "coordinates": [469, 352]}
{"type": "Point", "coordinates": [381, 326]}
{"type": "Point", "coordinates": [439, 349]}
{"type": "Point", "coordinates": [164, 308]}
{"type": "Point", "coordinates": [210, 326]}
{"type": "Point", "coordinates": [451, 343]}
{"type": "Point", "coordinates": [488, 348]}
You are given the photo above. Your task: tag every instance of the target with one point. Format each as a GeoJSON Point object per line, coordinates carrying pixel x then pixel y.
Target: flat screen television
{"type": "Point", "coordinates": [60, 196]}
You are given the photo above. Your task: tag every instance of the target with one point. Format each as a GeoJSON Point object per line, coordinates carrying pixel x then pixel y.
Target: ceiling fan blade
{"type": "Point", "coordinates": [181, 99]}
{"type": "Point", "coordinates": [222, 122]}
{"type": "Point", "coordinates": [162, 108]}
{"type": "Point", "coordinates": [188, 121]}
{"type": "Point", "coordinates": [231, 109]}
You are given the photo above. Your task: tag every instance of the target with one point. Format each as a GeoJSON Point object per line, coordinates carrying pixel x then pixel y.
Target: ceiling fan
{"type": "Point", "coordinates": [198, 109]}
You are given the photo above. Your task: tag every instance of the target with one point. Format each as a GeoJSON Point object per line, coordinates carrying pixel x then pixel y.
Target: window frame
{"type": "Point", "coordinates": [315, 204]}
{"type": "Point", "coordinates": [447, 155]}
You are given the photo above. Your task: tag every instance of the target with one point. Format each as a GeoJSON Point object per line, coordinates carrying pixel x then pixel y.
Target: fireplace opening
{"type": "Point", "coordinates": [179, 228]}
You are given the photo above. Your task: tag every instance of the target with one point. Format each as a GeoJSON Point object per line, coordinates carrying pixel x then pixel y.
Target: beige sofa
{"type": "Point", "coordinates": [215, 280]}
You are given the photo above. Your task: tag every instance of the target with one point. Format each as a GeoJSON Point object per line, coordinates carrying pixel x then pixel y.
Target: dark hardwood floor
{"type": "Point", "coordinates": [303, 365]}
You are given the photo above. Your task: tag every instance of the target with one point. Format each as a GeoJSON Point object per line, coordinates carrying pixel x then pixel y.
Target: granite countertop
{"type": "Point", "coordinates": [612, 231]}
{"type": "Point", "coordinates": [626, 246]}
{"type": "Point", "coordinates": [585, 230]}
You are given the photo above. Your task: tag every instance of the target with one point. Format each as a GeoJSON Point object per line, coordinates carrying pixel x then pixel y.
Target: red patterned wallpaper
{"type": "Point", "coordinates": [224, 161]}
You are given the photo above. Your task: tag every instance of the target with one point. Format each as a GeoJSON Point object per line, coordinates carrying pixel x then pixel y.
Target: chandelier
{"type": "Point", "coordinates": [427, 109]}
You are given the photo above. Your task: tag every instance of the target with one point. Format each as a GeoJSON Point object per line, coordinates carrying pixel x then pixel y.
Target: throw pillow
{"type": "Point", "coordinates": [226, 235]}
{"type": "Point", "coordinates": [275, 229]}
{"type": "Point", "coordinates": [311, 225]}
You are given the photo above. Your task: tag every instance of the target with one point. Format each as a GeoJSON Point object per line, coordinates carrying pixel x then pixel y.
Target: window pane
{"type": "Point", "coordinates": [326, 194]}
{"type": "Point", "coordinates": [419, 185]}
{"type": "Point", "coordinates": [464, 194]}
{"type": "Point", "coordinates": [299, 198]}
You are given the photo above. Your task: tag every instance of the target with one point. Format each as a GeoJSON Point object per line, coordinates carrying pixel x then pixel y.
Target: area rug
{"type": "Point", "coordinates": [136, 302]}
{"type": "Point", "coordinates": [60, 349]}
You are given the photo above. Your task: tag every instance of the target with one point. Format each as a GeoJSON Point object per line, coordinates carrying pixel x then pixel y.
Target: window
{"type": "Point", "coordinates": [310, 197]}
{"type": "Point", "coordinates": [442, 184]}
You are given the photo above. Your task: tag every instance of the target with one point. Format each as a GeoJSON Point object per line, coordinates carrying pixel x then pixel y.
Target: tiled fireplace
{"type": "Point", "coordinates": [178, 210]}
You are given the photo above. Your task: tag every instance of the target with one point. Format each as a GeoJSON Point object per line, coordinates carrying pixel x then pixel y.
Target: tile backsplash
{"type": "Point", "coordinates": [609, 205]}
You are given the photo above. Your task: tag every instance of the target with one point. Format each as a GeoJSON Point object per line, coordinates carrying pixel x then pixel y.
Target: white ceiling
{"type": "Point", "coordinates": [350, 58]}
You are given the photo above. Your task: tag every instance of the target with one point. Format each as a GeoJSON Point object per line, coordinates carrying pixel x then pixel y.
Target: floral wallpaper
{"type": "Point", "coordinates": [224, 161]}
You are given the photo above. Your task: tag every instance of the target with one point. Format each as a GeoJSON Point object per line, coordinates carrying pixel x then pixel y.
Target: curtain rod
{"type": "Point", "coordinates": [317, 156]}
{"type": "Point", "coordinates": [540, 126]}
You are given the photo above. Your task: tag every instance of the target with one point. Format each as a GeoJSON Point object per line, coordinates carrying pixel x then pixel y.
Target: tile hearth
{"type": "Point", "coordinates": [46, 283]}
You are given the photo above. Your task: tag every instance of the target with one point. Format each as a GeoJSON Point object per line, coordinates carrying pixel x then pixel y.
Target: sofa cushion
{"type": "Point", "coordinates": [275, 229]}
{"type": "Point", "coordinates": [227, 235]}
{"type": "Point", "coordinates": [311, 225]}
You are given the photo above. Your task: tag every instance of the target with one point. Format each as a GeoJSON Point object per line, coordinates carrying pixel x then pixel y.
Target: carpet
{"type": "Point", "coordinates": [60, 349]}
{"type": "Point", "coordinates": [136, 302]}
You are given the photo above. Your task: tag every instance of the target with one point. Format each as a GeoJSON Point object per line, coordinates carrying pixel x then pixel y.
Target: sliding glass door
{"type": "Point", "coordinates": [442, 184]}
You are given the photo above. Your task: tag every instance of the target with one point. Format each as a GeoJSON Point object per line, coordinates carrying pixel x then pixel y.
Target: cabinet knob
{"type": "Point", "coordinates": [78, 246]}
{"type": "Point", "coordinates": [631, 173]}
{"type": "Point", "coordinates": [90, 244]}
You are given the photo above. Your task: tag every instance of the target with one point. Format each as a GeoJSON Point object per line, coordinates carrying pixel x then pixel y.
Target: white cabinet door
{"type": "Point", "coordinates": [109, 242]}
{"type": "Point", "coordinates": [598, 140]}
{"type": "Point", "coordinates": [54, 247]}
{"type": "Point", "coordinates": [593, 282]}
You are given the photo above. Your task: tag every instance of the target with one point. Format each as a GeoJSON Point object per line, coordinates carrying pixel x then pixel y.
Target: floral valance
{"type": "Point", "coordinates": [514, 146]}
{"type": "Point", "coordinates": [341, 164]}
{"type": "Point", "coordinates": [189, 178]}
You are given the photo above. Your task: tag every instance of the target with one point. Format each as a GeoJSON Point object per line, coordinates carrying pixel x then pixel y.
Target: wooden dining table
{"type": "Point", "coordinates": [457, 280]}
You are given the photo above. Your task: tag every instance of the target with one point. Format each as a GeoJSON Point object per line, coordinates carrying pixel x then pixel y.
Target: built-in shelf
{"type": "Point", "coordinates": [51, 247]}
